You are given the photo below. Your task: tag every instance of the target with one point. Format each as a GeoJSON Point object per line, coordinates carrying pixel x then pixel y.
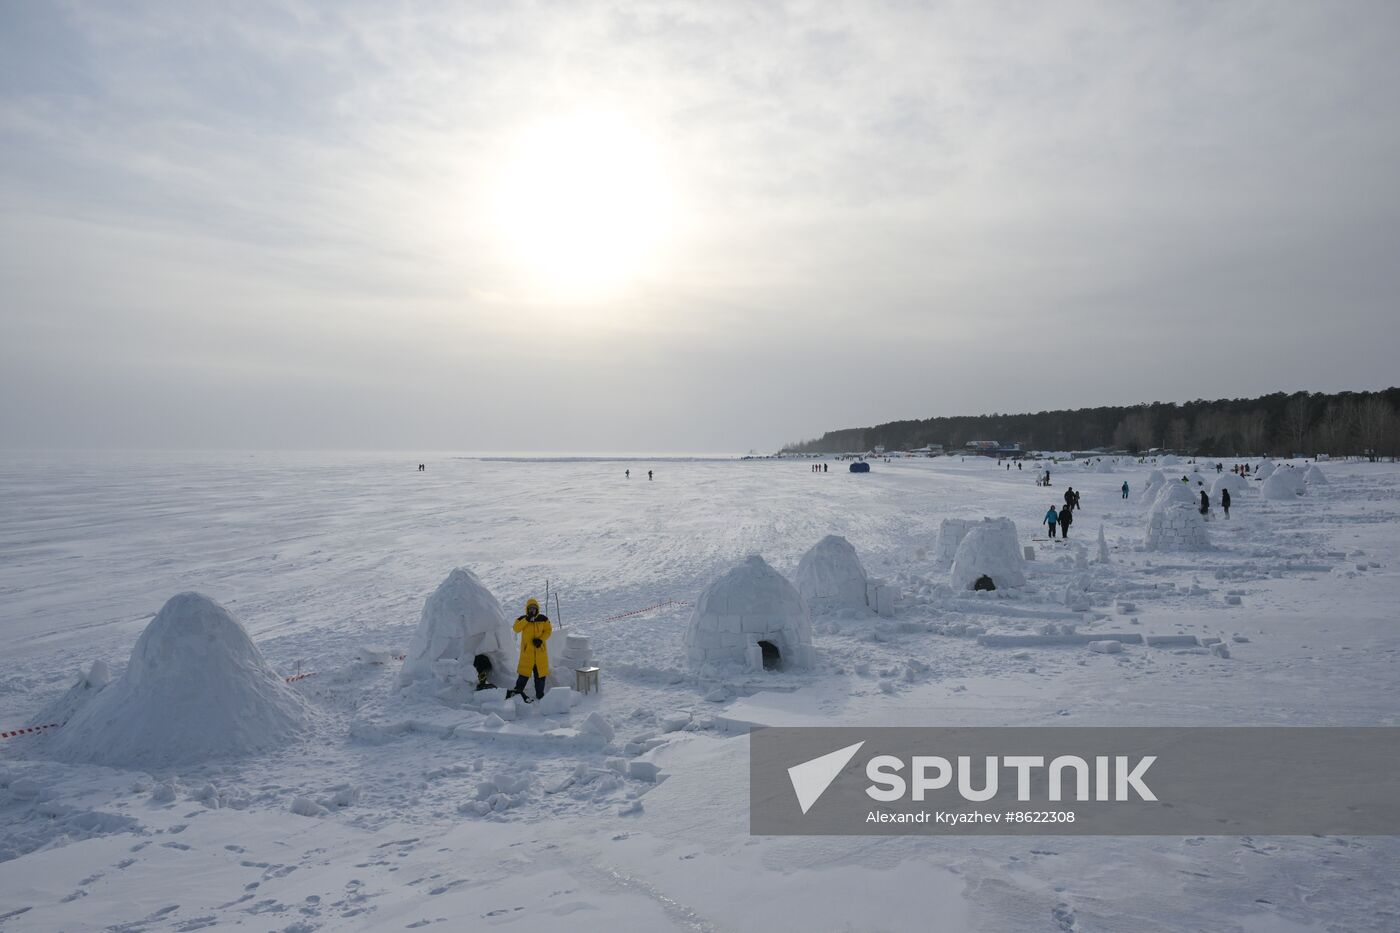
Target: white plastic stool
{"type": "Point", "coordinates": [586, 679]}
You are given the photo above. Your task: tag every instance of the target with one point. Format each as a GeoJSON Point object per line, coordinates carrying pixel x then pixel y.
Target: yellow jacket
{"type": "Point", "coordinates": [532, 658]}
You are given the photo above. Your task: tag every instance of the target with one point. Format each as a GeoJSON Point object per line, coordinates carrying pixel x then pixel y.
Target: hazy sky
{"type": "Point", "coordinates": [680, 226]}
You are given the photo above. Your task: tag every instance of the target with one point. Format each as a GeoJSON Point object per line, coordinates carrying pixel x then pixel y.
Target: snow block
{"type": "Point", "coordinates": [769, 609]}
{"type": "Point", "coordinates": [989, 548]}
{"type": "Point", "coordinates": [1169, 641]}
{"type": "Point", "coordinates": [1077, 638]}
{"type": "Point", "coordinates": [1106, 646]}
{"type": "Point", "coordinates": [556, 701]}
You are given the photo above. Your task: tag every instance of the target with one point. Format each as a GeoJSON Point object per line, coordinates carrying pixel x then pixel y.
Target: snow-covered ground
{"type": "Point", "coordinates": [419, 814]}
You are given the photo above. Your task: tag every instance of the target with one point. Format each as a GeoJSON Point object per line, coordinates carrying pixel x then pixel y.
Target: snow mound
{"type": "Point", "coordinates": [1176, 525]}
{"type": "Point", "coordinates": [1284, 484]}
{"type": "Point", "coordinates": [1105, 466]}
{"type": "Point", "coordinates": [950, 535]}
{"type": "Point", "coordinates": [1314, 476]}
{"type": "Point", "coordinates": [830, 574]}
{"type": "Point", "coordinates": [460, 621]}
{"type": "Point", "coordinates": [1232, 481]}
{"type": "Point", "coordinates": [1170, 460]}
{"type": "Point", "coordinates": [989, 548]}
{"type": "Point", "coordinates": [1176, 493]}
{"type": "Point", "coordinates": [750, 606]}
{"type": "Point", "coordinates": [1266, 469]}
{"type": "Point", "coordinates": [196, 688]}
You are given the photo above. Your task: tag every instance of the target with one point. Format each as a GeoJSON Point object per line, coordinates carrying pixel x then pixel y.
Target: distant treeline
{"type": "Point", "coordinates": [1344, 424]}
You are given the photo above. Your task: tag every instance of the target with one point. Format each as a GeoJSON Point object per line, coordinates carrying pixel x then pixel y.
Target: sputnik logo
{"type": "Point", "coordinates": [811, 778]}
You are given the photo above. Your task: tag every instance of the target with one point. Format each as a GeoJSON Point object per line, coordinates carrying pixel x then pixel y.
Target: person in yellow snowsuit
{"type": "Point", "coordinates": [534, 629]}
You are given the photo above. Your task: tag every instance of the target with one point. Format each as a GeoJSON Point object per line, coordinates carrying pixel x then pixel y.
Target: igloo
{"type": "Point", "coordinates": [1234, 482]}
{"type": "Point", "coordinates": [1314, 476]}
{"type": "Point", "coordinates": [990, 548]}
{"type": "Point", "coordinates": [1154, 483]}
{"type": "Point", "coordinates": [1169, 460]}
{"type": "Point", "coordinates": [1174, 522]}
{"type": "Point", "coordinates": [830, 574]}
{"type": "Point", "coordinates": [753, 616]}
{"type": "Point", "coordinates": [950, 535]}
{"type": "Point", "coordinates": [1283, 484]}
{"type": "Point", "coordinates": [1105, 466]}
{"type": "Point", "coordinates": [196, 688]}
{"type": "Point", "coordinates": [461, 631]}
{"type": "Point", "coordinates": [1266, 469]}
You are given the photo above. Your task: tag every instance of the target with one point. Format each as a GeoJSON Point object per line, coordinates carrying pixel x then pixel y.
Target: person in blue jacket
{"type": "Point", "coordinates": [1052, 518]}
{"type": "Point", "coordinates": [1125, 489]}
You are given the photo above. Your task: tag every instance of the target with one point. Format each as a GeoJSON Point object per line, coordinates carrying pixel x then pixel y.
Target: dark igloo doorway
{"type": "Point", "coordinates": [483, 672]}
{"type": "Point", "coordinates": [772, 657]}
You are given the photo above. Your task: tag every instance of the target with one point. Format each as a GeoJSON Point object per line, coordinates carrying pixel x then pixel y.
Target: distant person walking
{"type": "Point", "coordinates": [1066, 519]}
{"type": "Point", "coordinates": [648, 474]}
{"type": "Point", "coordinates": [1052, 518]}
{"type": "Point", "coordinates": [1125, 489]}
{"type": "Point", "coordinates": [1069, 497]}
{"type": "Point", "coordinates": [627, 473]}
{"type": "Point", "coordinates": [1205, 503]}
{"type": "Point", "coordinates": [1076, 498]}
{"type": "Point", "coordinates": [1225, 501]}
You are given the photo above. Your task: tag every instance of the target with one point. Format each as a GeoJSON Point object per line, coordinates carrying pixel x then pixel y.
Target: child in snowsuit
{"type": "Point", "coordinates": [1125, 489]}
{"type": "Point", "coordinates": [1066, 518]}
{"type": "Point", "coordinates": [1052, 518]}
{"type": "Point", "coordinates": [534, 629]}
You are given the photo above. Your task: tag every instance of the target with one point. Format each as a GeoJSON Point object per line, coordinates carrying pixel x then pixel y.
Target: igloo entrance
{"type": "Point", "coordinates": [772, 657]}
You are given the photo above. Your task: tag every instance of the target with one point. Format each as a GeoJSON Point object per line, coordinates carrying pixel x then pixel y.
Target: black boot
{"type": "Point", "coordinates": [539, 687]}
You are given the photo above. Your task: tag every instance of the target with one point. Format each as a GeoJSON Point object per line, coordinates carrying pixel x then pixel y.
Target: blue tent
{"type": "Point", "coordinates": [860, 466]}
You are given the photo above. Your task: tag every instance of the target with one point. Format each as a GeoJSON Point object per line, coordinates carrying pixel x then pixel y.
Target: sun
{"type": "Point", "coordinates": [582, 205]}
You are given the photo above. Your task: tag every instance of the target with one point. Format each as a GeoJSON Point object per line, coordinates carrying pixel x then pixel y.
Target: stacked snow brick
{"type": "Point", "coordinates": [831, 575]}
{"type": "Point", "coordinates": [575, 653]}
{"type": "Point", "coordinates": [1173, 526]}
{"type": "Point", "coordinates": [950, 535]}
{"type": "Point", "coordinates": [460, 620]}
{"type": "Point", "coordinates": [750, 603]}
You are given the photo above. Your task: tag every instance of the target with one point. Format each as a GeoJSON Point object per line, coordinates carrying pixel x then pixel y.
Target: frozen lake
{"type": "Point", "coordinates": [320, 555]}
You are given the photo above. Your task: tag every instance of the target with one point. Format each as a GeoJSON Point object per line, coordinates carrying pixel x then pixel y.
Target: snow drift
{"type": "Point", "coordinates": [460, 621]}
{"type": "Point", "coordinates": [990, 548]}
{"type": "Point", "coordinates": [753, 616]}
{"type": "Point", "coordinates": [830, 574]}
{"type": "Point", "coordinates": [196, 688]}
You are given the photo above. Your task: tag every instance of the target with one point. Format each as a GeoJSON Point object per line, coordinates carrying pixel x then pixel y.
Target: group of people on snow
{"type": "Point", "coordinates": [819, 468]}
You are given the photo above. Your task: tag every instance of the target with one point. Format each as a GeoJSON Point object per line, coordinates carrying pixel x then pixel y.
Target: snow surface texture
{"type": "Point", "coordinates": [460, 620]}
{"type": "Point", "coordinates": [750, 603]}
{"type": "Point", "coordinates": [989, 548]}
{"type": "Point", "coordinates": [1283, 485]}
{"type": "Point", "coordinates": [831, 575]}
{"type": "Point", "coordinates": [196, 688]}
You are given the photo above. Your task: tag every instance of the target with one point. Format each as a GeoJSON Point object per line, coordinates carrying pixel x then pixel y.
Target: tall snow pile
{"type": "Point", "coordinates": [830, 574]}
{"type": "Point", "coordinates": [1283, 484]}
{"type": "Point", "coordinates": [1234, 482]}
{"type": "Point", "coordinates": [1266, 469]}
{"type": "Point", "coordinates": [950, 535]}
{"type": "Point", "coordinates": [1105, 466]}
{"type": "Point", "coordinates": [1314, 476]}
{"type": "Point", "coordinates": [990, 548]}
{"type": "Point", "coordinates": [1174, 522]}
{"type": "Point", "coordinates": [461, 620]}
{"type": "Point", "coordinates": [751, 604]}
{"type": "Point", "coordinates": [196, 688]}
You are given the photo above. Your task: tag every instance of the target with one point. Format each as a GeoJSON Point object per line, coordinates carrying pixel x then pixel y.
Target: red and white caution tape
{"type": "Point", "coordinates": [295, 677]}
{"type": "Point", "coordinates": [664, 604]}
{"type": "Point", "coordinates": [29, 730]}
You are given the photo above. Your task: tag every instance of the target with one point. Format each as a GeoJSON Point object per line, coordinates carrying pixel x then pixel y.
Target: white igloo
{"type": "Point", "coordinates": [196, 688]}
{"type": "Point", "coordinates": [1284, 484]}
{"type": "Point", "coordinates": [753, 616]}
{"type": "Point", "coordinates": [1314, 476]}
{"type": "Point", "coordinates": [1155, 481]}
{"type": "Point", "coordinates": [990, 548]}
{"type": "Point", "coordinates": [1170, 460]}
{"type": "Point", "coordinates": [1234, 482]}
{"type": "Point", "coordinates": [1105, 466]}
{"type": "Point", "coordinates": [1266, 469]}
{"type": "Point", "coordinates": [950, 535]}
{"type": "Point", "coordinates": [462, 626]}
{"type": "Point", "coordinates": [831, 575]}
{"type": "Point", "coordinates": [1174, 522]}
